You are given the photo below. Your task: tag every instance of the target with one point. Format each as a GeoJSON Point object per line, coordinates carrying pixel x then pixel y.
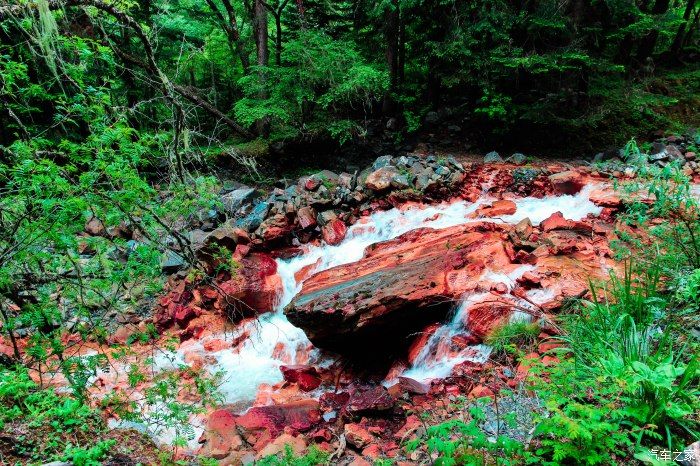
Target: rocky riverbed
{"type": "Point", "coordinates": [341, 308]}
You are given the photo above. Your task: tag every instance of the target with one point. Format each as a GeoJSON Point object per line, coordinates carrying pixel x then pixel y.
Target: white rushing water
{"type": "Point", "coordinates": [274, 341]}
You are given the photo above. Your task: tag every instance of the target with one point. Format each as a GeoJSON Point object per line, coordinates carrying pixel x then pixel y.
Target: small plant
{"type": "Point", "coordinates": [513, 335]}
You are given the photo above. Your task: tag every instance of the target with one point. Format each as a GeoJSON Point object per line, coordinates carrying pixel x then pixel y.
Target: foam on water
{"type": "Point", "coordinates": [257, 360]}
{"type": "Point", "coordinates": [436, 360]}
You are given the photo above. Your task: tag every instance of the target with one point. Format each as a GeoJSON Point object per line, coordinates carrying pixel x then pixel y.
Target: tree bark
{"type": "Point", "coordinates": [679, 39]}
{"type": "Point", "coordinates": [391, 34]}
{"type": "Point", "coordinates": [261, 41]}
{"type": "Point", "coordinates": [230, 26]}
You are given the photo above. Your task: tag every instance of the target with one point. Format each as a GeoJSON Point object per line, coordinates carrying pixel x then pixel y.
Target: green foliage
{"type": "Point", "coordinates": [314, 457]}
{"type": "Point", "coordinates": [513, 335]}
{"type": "Point", "coordinates": [322, 79]}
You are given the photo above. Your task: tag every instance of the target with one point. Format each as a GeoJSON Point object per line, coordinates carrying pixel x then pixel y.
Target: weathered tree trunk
{"type": "Point", "coordinates": [679, 39]}
{"type": "Point", "coordinates": [648, 42]}
{"type": "Point", "coordinates": [263, 52]}
{"type": "Point", "coordinates": [391, 34]}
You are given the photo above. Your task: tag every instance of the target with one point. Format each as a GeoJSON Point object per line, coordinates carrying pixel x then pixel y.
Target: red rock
{"type": "Point", "coordinates": [530, 280]}
{"type": "Point", "coordinates": [183, 315]}
{"type": "Point", "coordinates": [306, 217]}
{"type": "Point", "coordinates": [500, 288]}
{"type": "Point", "coordinates": [299, 416]}
{"type": "Point", "coordinates": [415, 277]}
{"type": "Point", "coordinates": [568, 182]}
{"type": "Point", "coordinates": [255, 284]}
{"type": "Point", "coordinates": [523, 257]}
{"type": "Point", "coordinates": [372, 451]}
{"type": "Point", "coordinates": [484, 317]}
{"type": "Point", "coordinates": [498, 209]}
{"type": "Point", "coordinates": [307, 377]}
{"type": "Point", "coordinates": [216, 345]}
{"type": "Point", "coordinates": [312, 183]}
{"type": "Point", "coordinates": [369, 400]}
{"type": "Point", "coordinates": [334, 232]}
{"type": "Point", "coordinates": [220, 436]}
{"type": "Point", "coordinates": [480, 392]}
{"type": "Point", "coordinates": [556, 221]}
{"type": "Point", "coordinates": [605, 198]}
{"type": "Point", "coordinates": [409, 385]}
{"type": "Point", "coordinates": [420, 342]}
{"type": "Point", "coordinates": [95, 227]}
{"type": "Point", "coordinates": [280, 445]}
{"type": "Point", "coordinates": [357, 436]}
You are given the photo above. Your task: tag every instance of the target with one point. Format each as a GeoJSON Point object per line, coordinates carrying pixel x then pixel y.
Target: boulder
{"type": "Point", "coordinates": [419, 279]}
{"type": "Point", "coordinates": [334, 232]}
{"type": "Point", "coordinates": [493, 157]}
{"type": "Point", "coordinates": [498, 209]}
{"type": "Point", "coordinates": [306, 377]}
{"type": "Point", "coordinates": [567, 182]}
{"type": "Point", "coordinates": [382, 178]}
{"type": "Point", "coordinates": [220, 436]}
{"type": "Point", "coordinates": [306, 217]}
{"type": "Point", "coordinates": [252, 288]}
{"type": "Point", "coordinates": [253, 220]}
{"type": "Point", "coordinates": [300, 416]}
{"type": "Point", "coordinates": [234, 200]}
{"type": "Point", "coordinates": [370, 400]}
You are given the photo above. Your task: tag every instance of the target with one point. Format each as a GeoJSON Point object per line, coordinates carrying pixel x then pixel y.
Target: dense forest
{"type": "Point", "coordinates": [149, 156]}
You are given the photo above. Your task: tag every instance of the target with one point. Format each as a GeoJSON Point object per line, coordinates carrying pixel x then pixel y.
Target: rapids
{"type": "Point", "coordinates": [273, 341]}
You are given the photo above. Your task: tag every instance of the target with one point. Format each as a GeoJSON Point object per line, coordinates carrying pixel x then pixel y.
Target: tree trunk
{"type": "Point", "coordinates": [680, 34]}
{"type": "Point", "coordinates": [263, 52]}
{"type": "Point", "coordinates": [278, 38]}
{"type": "Point", "coordinates": [391, 34]}
{"type": "Point", "coordinates": [648, 42]}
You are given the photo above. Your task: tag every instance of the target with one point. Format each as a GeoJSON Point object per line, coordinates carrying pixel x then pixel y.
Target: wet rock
{"type": "Point", "coordinates": [567, 182]}
{"type": "Point", "coordinates": [253, 288]}
{"type": "Point", "coordinates": [498, 209]}
{"type": "Point", "coordinates": [234, 200]}
{"type": "Point", "coordinates": [418, 277]}
{"type": "Point", "coordinates": [556, 221]}
{"type": "Point", "coordinates": [334, 232]}
{"type": "Point", "coordinates": [485, 316]}
{"type": "Point", "coordinates": [300, 416]}
{"type": "Point", "coordinates": [371, 400]}
{"type": "Point", "coordinates": [255, 218]}
{"type": "Point", "coordinates": [382, 178]}
{"type": "Point", "coordinates": [493, 157]}
{"type": "Point", "coordinates": [357, 436]}
{"type": "Point", "coordinates": [306, 377]}
{"type": "Point", "coordinates": [306, 217]}
{"type": "Point", "coordinates": [220, 436]}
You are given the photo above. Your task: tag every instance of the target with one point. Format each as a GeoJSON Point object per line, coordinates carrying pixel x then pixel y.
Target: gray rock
{"type": "Point", "coordinates": [674, 153]}
{"type": "Point", "coordinates": [691, 455]}
{"type": "Point", "coordinates": [171, 262]}
{"type": "Point", "coordinates": [442, 171]}
{"type": "Point", "coordinates": [326, 217]}
{"type": "Point", "coordinates": [383, 161]}
{"type": "Point", "coordinates": [232, 201]}
{"type": "Point", "coordinates": [492, 157]}
{"type": "Point", "coordinates": [431, 117]}
{"type": "Point", "coordinates": [454, 163]}
{"type": "Point", "coordinates": [517, 158]}
{"type": "Point", "coordinates": [253, 220]}
{"type": "Point", "coordinates": [400, 181]}
{"type": "Point", "coordinates": [658, 157]}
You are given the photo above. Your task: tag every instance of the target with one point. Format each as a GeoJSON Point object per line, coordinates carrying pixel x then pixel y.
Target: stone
{"type": "Point", "coordinates": [370, 400]}
{"type": "Point", "coordinates": [690, 156]}
{"type": "Point", "coordinates": [382, 178]}
{"type": "Point", "coordinates": [493, 157]}
{"type": "Point", "coordinates": [674, 153]}
{"type": "Point", "coordinates": [171, 262]}
{"type": "Point", "coordinates": [357, 436]}
{"type": "Point", "coordinates": [691, 455]}
{"type": "Point", "coordinates": [256, 285]}
{"type": "Point", "coordinates": [418, 278]}
{"type": "Point", "coordinates": [280, 445]}
{"type": "Point", "coordinates": [306, 217]}
{"type": "Point", "coordinates": [568, 182]}
{"type": "Point", "coordinates": [556, 221]}
{"type": "Point", "coordinates": [95, 227]}
{"type": "Point", "coordinates": [300, 416]}
{"type": "Point", "coordinates": [234, 200]}
{"type": "Point", "coordinates": [497, 209]}
{"type": "Point", "coordinates": [381, 162]}
{"type": "Point", "coordinates": [306, 377]}
{"type": "Point", "coordinates": [517, 158]}
{"type": "Point", "coordinates": [220, 435]}
{"type": "Point", "coordinates": [255, 218]}
{"type": "Point", "coordinates": [334, 232]}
